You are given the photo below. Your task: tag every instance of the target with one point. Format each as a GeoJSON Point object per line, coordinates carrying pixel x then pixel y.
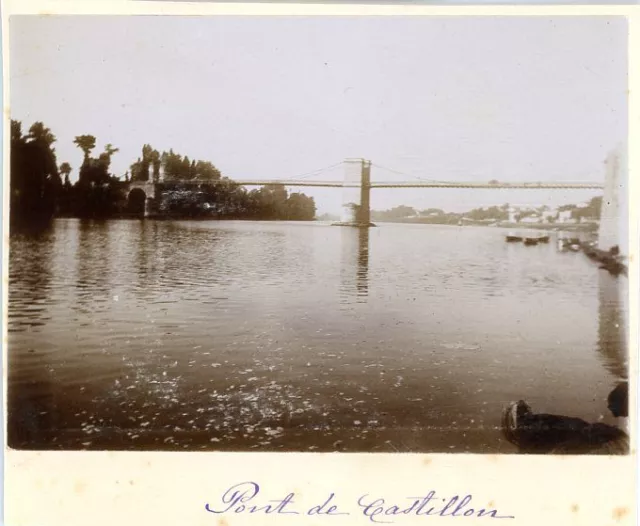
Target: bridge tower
{"type": "Point", "coordinates": [356, 202]}
{"type": "Point", "coordinates": [613, 215]}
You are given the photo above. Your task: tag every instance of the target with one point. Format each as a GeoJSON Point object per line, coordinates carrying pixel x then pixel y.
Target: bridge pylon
{"type": "Point", "coordinates": [356, 202]}
{"type": "Point", "coordinates": [613, 216]}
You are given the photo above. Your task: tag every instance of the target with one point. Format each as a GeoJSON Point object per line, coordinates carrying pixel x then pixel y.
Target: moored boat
{"type": "Point", "coordinates": [529, 241]}
{"type": "Point", "coordinates": [591, 251]}
{"type": "Point", "coordinates": [572, 244]}
{"type": "Point", "coordinates": [512, 238]}
{"type": "Point", "coordinates": [543, 239]}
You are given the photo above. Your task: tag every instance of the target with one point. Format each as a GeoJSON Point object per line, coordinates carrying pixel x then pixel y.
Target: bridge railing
{"type": "Point", "coordinates": [424, 184]}
{"type": "Point", "coordinates": [405, 184]}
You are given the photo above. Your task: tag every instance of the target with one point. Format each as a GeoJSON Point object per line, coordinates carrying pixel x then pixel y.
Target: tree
{"type": "Point", "coordinates": [300, 207]}
{"type": "Point", "coordinates": [146, 167]}
{"type": "Point", "coordinates": [206, 171]}
{"type": "Point", "coordinates": [493, 213]}
{"type": "Point", "coordinates": [172, 164]}
{"type": "Point", "coordinates": [86, 143]}
{"type": "Point", "coordinates": [16, 131]}
{"type": "Point", "coordinates": [65, 200]}
{"type": "Point", "coordinates": [136, 170]}
{"type": "Point", "coordinates": [105, 157]}
{"type": "Point", "coordinates": [398, 212]}
{"type": "Point", "coordinates": [97, 193]}
{"type": "Point", "coordinates": [273, 200]}
{"type": "Point", "coordinates": [176, 167]}
{"type": "Point", "coordinates": [34, 179]}
{"type": "Point", "coordinates": [154, 165]}
{"type": "Point", "coordinates": [65, 169]}
{"type": "Point", "coordinates": [591, 211]}
{"type": "Point", "coordinates": [40, 133]}
{"type": "Point", "coordinates": [184, 169]}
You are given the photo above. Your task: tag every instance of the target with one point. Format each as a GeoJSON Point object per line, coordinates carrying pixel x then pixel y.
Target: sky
{"type": "Point", "coordinates": [446, 98]}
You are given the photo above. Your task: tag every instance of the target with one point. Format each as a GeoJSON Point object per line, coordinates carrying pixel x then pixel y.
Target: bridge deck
{"type": "Point", "coordinates": [421, 184]}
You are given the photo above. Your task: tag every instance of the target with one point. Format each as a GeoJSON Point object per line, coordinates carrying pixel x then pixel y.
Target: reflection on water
{"type": "Point", "coordinates": [355, 263]}
{"type": "Point", "coordinates": [92, 281]}
{"type": "Point", "coordinates": [299, 336]}
{"type": "Point", "coordinates": [34, 282]}
{"type": "Point", "coordinates": [612, 342]}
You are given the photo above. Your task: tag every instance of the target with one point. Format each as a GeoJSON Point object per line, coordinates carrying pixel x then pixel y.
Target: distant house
{"type": "Point", "coordinates": [564, 216]}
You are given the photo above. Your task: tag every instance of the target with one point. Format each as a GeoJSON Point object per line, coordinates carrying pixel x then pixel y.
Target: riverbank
{"type": "Point", "coordinates": [552, 227]}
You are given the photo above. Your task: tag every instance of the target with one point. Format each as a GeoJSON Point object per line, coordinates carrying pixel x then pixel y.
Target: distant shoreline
{"type": "Point", "coordinates": [554, 227]}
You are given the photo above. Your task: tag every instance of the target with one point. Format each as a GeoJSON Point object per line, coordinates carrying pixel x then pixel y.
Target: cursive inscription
{"type": "Point", "coordinates": [237, 498]}
{"type": "Point", "coordinates": [379, 511]}
{"type": "Point", "coordinates": [245, 498]}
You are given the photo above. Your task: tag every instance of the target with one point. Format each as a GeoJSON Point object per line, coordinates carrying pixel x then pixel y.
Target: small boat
{"type": "Point", "coordinates": [591, 251]}
{"type": "Point", "coordinates": [530, 241]}
{"type": "Point", "coordinates": [572, 244]}
{"type": "Point", "coordinates": [543, 239]}
{"type": "Point", "coordinates": [512, 238]}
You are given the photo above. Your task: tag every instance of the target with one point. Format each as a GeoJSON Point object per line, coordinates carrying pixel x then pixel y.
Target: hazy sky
{"type": "Point", "coordinates": [511, 99]}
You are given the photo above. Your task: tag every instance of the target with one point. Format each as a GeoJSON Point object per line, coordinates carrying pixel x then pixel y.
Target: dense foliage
{"type": "Point", "coordinates": [184, 188]}
{"type": "Point", "coordinates": [224, 199]}
{"type": "Point", "coordinates": [174, 167]}
{"type": "Point", "coordinates": [35, 183]}
{"type": "Point", "coordinates": [97, 194]}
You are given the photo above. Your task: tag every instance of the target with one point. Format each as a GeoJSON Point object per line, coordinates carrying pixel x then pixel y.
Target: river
{"type": "Point", "coordinates": [275, 336]}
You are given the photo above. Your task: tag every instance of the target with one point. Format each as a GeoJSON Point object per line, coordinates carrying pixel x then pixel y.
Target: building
{"type": "Point", "coordinates": [565, 217]}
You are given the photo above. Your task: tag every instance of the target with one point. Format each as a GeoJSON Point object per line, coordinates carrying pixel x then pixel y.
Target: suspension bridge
{"type": "Point", "coordinates": [357, 184]}
{"type": "Point", "coordinates": [425, 184]}
{"type": "Point", "coordinates": [411, 181]}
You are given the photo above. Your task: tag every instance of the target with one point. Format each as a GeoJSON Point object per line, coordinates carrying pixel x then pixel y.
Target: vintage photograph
{"type": "Point", "coordinates": [318, 234]}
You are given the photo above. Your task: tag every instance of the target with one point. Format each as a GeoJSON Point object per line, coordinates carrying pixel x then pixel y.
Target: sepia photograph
{"type": "Point", "coordinates": [354, 234]}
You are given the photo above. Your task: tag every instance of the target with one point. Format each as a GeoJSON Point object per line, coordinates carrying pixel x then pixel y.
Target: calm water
{"type": "Point", "coordinates": [299, 336]}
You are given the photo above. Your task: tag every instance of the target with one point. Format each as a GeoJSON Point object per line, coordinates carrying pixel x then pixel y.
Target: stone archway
{"type": "Point", "coordinates": [137, 202]}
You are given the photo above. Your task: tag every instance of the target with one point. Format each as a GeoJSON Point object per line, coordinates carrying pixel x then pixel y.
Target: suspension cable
{"type": "Point", "coordinates": [314, 172]}
{"type": "Point", "coordinates": [406, 174]}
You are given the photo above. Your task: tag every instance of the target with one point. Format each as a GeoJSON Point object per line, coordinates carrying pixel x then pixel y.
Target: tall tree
{"type": "Point", "coordinates": [86, 143]}
{"type": "Point", "coordinates": [65, 169]}
{"type": "Point", "coordinates": [40, 133]}
{"type": "Point", "coordinates": [154, 165]}
{"type": "Point", "coordinates": [300, 207]}
{"type": "Point", "coordinates": [34, 179]}
{"type": "Point", "coordinates": [65, 200]}
{"type": "Point", "coordinates": [97, 193]}
{"type": "Point", "coordinates": [105, 157]}
{"type": "Point", "coordinates": [16, 131]}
